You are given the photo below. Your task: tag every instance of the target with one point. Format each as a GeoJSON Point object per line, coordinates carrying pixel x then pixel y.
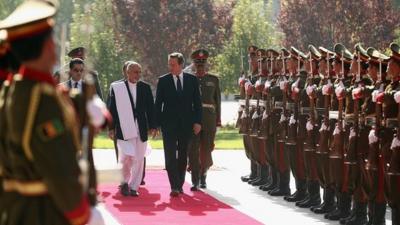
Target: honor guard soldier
{"type": "Point", "coordinates": [380, 135]}
{"type": "Point", "coordinates": [326, 90]}
{"type": "Point", "coordinates": [42, 135]}
{"type": "Point", "coordinates": [341, 67]}
{"type": "Point", "coordinates": [357, 136]}
{"type": "Point", "coordinates": [202, 144]}
{"type": "Point", "coordinates": [246, 85]}
{"type": "Point", "coordinates": [393, 167]}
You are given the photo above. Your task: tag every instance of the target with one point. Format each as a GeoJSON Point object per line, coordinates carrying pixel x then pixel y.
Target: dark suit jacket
{"type": "Point", "coordinates": [174, 113]}
{"type": "Point", "coordinates": [144, 110]}
{"type": "Point", "coordinates": [68, 84]}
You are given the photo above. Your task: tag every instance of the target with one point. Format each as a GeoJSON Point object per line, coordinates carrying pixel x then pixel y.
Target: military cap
{"type": "Point", "coordinates": [78, 52]}
{"type": "Point", "coordinates": [360, 51]}
{"type": "Point", "coordinates": [252, 50]}
{"type": "Point", "coordinates": [297, 54]}
{"type": "Point", "coordinates": [272, 53]}
{"type": "Point", "coordinates": [261, 53]}
{"type": "Point", "coordinates": [375, 56]}
{"type": "Point", "coordinates": [199, 56]}
{"type": "Point", "coordinates": [315, 54]}
{"type": "Point", "coordinates": [325, 52]}
{"type": "Point", "coordinates": [32, 17]}
{"type": "Point", "coordinates": [341, 49]}
{"type": "Point", "coordinates": [395, 48]}
{"type": "Point", "coordinates": [285, 53]}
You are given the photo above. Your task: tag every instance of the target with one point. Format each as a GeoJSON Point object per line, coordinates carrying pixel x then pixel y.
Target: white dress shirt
{"type": "Point", "coordinates": [132, 89]}
{"type": "Point", "coordinates": [79, 87]}
{"type": "Point", "coordinates": [176, 80]}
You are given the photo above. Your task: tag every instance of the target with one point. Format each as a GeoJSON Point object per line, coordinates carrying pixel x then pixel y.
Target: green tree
{"type": "Point", "coordinates": [251, 26]}
{"type": "Point", "coordinates": [93, 27]}
{"type": "Point", "coordinates": [7, 6]}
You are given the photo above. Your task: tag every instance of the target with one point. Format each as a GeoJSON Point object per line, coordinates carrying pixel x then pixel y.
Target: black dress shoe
{"type": "Point", "coordinates": [194, 188]}
{"type": "Point", "coordinates": [142, 183]}
{"type": "Point", "coordinates": [180, 191]}
{"type": "Point", "coordinates": [326, 208]}
{"type": "Point", "coordinates": [174, 193]}
{"type": "Point", "coordinates": [134, 193]}
{"type": "Point", "coordinates": [203, 186]}
{"type": "Point", "coordinates": [124, 189]}
{"type": "Point", "coordinates": [312, 201]}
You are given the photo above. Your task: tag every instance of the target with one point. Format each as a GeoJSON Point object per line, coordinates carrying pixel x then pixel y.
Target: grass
{"type": "Point", "coordinates": [226, 138]}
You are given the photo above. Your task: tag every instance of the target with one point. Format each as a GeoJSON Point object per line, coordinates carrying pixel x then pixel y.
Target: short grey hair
{"type": "Point", "coordinates": [132, 63]}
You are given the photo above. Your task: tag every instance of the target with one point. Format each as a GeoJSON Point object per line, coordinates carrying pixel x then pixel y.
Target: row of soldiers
{"type": "Point", "coordinates": [331, 118]}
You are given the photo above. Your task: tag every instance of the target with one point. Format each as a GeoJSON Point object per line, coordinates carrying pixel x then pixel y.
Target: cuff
{"type": "Point", "coordinates": [80, 214]}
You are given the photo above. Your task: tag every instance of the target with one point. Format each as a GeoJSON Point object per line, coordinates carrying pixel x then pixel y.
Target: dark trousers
{"type": "Point", "coordinates": [175, 152]}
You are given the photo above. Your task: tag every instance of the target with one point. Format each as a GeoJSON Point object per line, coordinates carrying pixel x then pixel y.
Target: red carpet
{"type": "Point", "coordinates": [154, 206]}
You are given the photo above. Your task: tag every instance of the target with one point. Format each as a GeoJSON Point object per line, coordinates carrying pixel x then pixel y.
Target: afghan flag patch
{"type": "Point", "coordinates": [51, 129]}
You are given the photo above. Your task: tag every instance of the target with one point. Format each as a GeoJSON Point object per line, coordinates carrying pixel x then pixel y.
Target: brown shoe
{"type": "Point", "coordinates": [174, 193]}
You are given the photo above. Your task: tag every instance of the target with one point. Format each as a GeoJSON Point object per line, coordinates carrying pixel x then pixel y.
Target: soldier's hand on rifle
{"type": "Point", "coordinates": [249, 88]}
{"type": "Point", "coordinates": [340, 92]}
{"type": "Point", "coordinates": [357, 93]}
{"type": "Point", "coordinates": [397, 97]}
{"type": "Point", "coordinates": [196, 128]}
{"type": "Point", "coordinates": [327, 89]}
{"type": "Point", "coordinates": [311, 91]}
{"type": "Point", "coordinates": [380, 97]}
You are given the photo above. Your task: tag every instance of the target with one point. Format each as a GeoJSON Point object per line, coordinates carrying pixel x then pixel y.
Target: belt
{"type": "Point", "coordinates": [349, 118]}
{"type": "Point", "coordinates": [370, 121]}
{"type": "Point", "coordinates": [253, 102]}
{"type": "Point", "coordinates": [242, 102]}
{"type": "Point", "coordinates": [320, 111]}
{"type": "Point", "coordinates": [333, 114]}
{"type": "Point", "coordinates": [305, 110]}
{"type": "Point", "coordinates": [27, 188]}
{"type": "Point", "coordinates": [391, 123]}
{"type": "Point", "coordinates": [261, 103]}
{"type": "Point", "coordinates": [278, 105]}
{"type": "Point", "coordinates": [211, 106]}
{"type": "Point", "coordinates": [290, 106]}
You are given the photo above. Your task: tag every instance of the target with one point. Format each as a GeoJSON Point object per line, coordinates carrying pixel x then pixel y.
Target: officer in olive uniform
{"type": "Point", "coordinates": [42, 138]}
{"type": "Point", "coordinates": [201, 145]}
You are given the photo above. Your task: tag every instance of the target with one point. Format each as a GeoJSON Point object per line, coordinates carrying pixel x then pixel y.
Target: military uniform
{"type": "Point", "coordinates": [43, 179]}
{"type": "Point", "coordinates": [202, 144]}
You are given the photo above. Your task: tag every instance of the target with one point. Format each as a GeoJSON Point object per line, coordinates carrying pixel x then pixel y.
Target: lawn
{"type": "Point", "coordinates": [227, 138]}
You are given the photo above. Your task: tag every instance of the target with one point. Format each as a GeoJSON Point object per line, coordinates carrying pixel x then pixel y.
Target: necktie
{"type": "Point", "coordinates": [76, 85]}
{"type": "Point", "coordinates": [179, 86]}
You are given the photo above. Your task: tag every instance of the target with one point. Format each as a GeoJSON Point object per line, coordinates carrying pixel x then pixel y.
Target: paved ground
{"type": "Point", "coordinates": [224, 184]}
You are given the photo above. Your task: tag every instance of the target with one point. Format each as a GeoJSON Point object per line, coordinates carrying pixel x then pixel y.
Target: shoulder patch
{"type": "Point", "coordinates": [50, 129]}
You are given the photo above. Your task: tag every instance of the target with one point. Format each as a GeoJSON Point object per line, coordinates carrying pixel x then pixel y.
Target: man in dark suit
{"type": "Point", "coordinates": [131, 105]}
{"type": "Point", "coordinates": [178, 112]}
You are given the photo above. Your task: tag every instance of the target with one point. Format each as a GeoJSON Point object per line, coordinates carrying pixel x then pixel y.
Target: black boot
{"type": "Point", "coordinates": [314, 196]}
{"type": "Point", "coordinates": [329, 202]}
{"type": "Point", "coordinates": [263, 176]}
{"type": "Point", "coordinates": [253, 173]}
{"type": "Point", "coordinates": [273, 180]}
{"type": "Point", "coordinates": [203, 183]}
{"type": "Point", "coordinates": [300, 193]}
{"type": "Point", "coordinates": [359, 214]}
{"type": "Point", "coordinates": [343, 208]}
{"type": "Point", "coordinates": [395, 216]}
{"type": "Point", "coordinates": [258, 175]}
{"type": "Point", "coordinates": [268, 178]}
{"type": "Point", "coordinates": [379, 211]}
{"type": "Point", "coordinates": [283, 188]}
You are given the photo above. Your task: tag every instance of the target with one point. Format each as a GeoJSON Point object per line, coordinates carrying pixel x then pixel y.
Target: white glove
{"type": "Point", "coordinates": [310, 90]}
{"type": "Point", "coordinates": [323, 127]}
{"type": "Point", "coordinates": [96, 110]}
{"type": "Point", "coordinates": [292, 120]}
{"type": "Point", "coordinates": [267, 84]}
{"type": "Point", "coordinates": [283, 118]}
{"type": "Point", "coordinates": [309, 126]}
{"type": "Point", "coordinates": [395, 143]}
{"type": "Point", "coordinates": [372, 137]}
{"type": "Point", "coordinates": [339, 91]}
{"type": "Point", "coordinates": [352, 133]}
{"type": "Point", "coordinates": [337, 130]}
{"type": "Point", "coordinates": [397, 97]}
{"type": "Point", "coordinates": [282, 85]}
{"type": "Point", "coordinates": [374, 95]}
{"type": "Point", "coordinates": [326, 89]}
{"type": "Point", "coordinates": [295, 86]}
{"type": "Point", "coordinates": [265, 115]}
{"type": "Point", "coordinates": [255, 115]}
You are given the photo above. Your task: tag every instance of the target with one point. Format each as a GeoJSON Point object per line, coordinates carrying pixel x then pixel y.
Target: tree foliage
{"type": "Point", "coordinates": [251, 26]}
{"type": "Point", "coordinates": [93, 27]}
{"type": "Point", "coordinates": [325, 22]}
{"type": "Point", "coordinates": [159, 27]}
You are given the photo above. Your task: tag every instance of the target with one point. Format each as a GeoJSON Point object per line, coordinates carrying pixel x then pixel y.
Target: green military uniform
{"type": "Point", "coordinates": [42, 181]}
{"type": "Point", "coordinates": [201, 145]}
